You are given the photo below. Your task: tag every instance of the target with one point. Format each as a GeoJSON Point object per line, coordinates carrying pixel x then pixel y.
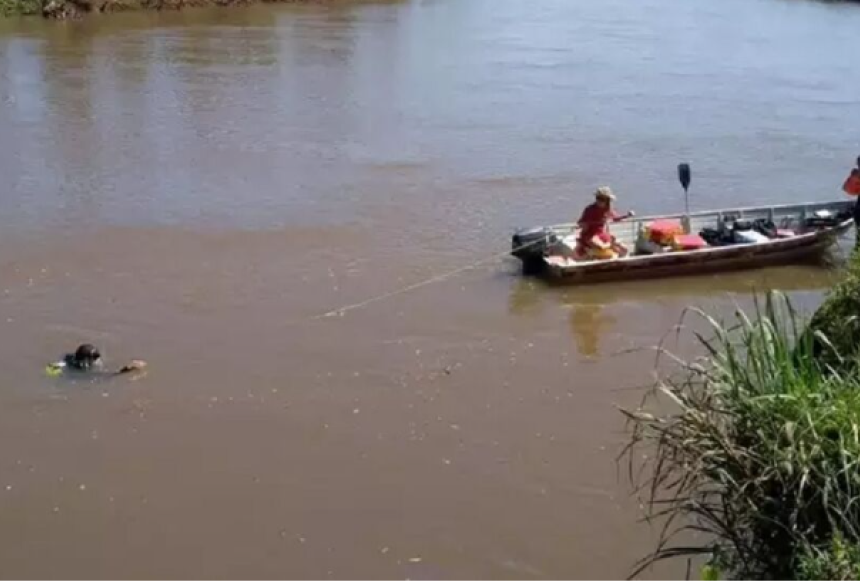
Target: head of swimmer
{"type": "Point", "coordinates": [86, 357]}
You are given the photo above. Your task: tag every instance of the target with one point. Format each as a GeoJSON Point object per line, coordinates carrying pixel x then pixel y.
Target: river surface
{"type": "Point", "coordinates": [198, 188]}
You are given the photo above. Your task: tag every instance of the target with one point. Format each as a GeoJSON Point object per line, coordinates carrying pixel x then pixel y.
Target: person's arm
{"type": "Point", "coordinates": [618, 217]}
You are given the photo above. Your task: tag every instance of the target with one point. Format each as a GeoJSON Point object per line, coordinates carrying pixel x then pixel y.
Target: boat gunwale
{"type": "Point", "coordinates": [716, 212]}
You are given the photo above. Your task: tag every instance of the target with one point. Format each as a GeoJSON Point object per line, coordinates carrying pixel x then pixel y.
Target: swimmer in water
{"type": "Point", "coordinates": [87, 358]}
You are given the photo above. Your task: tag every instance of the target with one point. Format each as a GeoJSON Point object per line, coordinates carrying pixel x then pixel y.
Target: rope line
{"type": "Point", "coordinates": [341, 311]}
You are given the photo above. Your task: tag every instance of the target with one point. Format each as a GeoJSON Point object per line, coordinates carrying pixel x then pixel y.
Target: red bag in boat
{"type": "Point", "coordinates": [663, 231]}
{"type": "Point", "coordinates": [689, 242]}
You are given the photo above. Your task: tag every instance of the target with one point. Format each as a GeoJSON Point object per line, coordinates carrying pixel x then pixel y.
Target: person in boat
{"type": "Point", "coordinates": [594, 236]}
{"type": "Point", "coordinates": [88, 359]}
{"type": "Point", "coordinates": [852, 188]}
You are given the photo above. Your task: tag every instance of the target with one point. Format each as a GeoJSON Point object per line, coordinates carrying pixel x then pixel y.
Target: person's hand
{"type": "Point", "coordinates": [133, 366]}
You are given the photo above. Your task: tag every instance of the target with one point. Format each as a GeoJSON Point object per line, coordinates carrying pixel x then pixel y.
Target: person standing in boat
{"type": "Point", "coordinates": [594, 233]}
{"type": "Point", "coordinates": [852, 187]}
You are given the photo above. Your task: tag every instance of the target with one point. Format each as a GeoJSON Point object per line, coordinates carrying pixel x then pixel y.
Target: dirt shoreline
{"type": "Point", "coordinates": [69, 9]}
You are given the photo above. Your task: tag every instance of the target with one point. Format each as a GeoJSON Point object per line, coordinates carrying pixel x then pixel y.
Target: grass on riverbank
{"type": "Point", "coordinates": [758, 460]}
{"type": "Point", "coordinates": [838, 320]}
{"type": "Point", "coordinates": [20, 7]}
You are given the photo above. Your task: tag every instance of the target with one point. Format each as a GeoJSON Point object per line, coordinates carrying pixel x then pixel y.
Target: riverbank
{"type": "Point", "coordinates": [65, 9]}
{"type": "Point", "coordinates": [19, 7]}
{"type": "Point", "coordinates": [760, 454]}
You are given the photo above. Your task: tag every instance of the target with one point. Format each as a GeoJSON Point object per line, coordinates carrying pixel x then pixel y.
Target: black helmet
{"type": "Point", "coordinates": [86, 356]}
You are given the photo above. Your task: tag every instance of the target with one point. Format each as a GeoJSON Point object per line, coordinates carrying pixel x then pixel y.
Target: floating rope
{"type": "Point", "coordinates": [341, 311]}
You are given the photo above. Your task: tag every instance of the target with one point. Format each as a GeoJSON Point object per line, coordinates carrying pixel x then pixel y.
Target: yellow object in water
{"type": "Point", "coordinates": [53, 370]}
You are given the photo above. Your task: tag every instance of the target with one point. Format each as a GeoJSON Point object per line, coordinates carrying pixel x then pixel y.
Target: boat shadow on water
{"type": "Point", "coordinates": [594, 311]}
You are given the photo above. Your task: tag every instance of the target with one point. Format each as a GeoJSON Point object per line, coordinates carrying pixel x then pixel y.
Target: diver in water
{"type": "Point", "coordinates": [87, 358]}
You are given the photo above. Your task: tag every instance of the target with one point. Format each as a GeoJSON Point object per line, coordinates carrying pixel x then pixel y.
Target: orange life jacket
{"type": "Point", "coordinates": [852, 185]}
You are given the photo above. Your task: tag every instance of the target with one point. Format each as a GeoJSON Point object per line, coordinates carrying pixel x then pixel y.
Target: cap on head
{"type": "Point", "coordinates": [87, 354]}
{"type": "Point", "coordinates": [604, 194]}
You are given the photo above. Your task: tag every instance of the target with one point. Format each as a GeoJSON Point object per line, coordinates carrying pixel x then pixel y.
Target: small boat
{"type": "Point", "coordinates": [808, 230]}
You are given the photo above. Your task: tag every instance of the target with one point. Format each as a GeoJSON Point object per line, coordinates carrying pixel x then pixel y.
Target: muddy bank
{"type": "Point", "coordinates": [65, 9]}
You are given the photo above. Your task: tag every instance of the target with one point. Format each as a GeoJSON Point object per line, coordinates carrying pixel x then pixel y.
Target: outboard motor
{"type": "Point", "coordinates": [530, 246]}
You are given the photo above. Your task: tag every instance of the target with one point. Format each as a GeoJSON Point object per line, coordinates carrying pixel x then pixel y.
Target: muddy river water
{"type": "Point", "coordinates": [193, 188]}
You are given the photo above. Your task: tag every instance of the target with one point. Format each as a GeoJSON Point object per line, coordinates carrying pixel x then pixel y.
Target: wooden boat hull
{"type": "Point", "coordinates": [710, 260]}
{"type": "Point", "coordinates": [729, 258]}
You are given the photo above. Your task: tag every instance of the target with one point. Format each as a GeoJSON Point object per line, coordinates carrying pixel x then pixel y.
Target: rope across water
{"type": "Point", "coordinates": [341, 311]}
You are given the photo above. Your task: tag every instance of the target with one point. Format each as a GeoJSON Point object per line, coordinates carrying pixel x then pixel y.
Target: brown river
{"type": "Point", "coordinates": [197, 188]}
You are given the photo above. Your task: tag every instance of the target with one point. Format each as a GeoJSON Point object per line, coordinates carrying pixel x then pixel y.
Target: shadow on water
{"type": "Point", "coordinates": [587, 323]}
{"type": "Point", "coordinates": [594, 309]}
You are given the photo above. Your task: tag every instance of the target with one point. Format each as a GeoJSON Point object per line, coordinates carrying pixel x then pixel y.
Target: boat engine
{"type": "Point", "coordinates": [530, 246]}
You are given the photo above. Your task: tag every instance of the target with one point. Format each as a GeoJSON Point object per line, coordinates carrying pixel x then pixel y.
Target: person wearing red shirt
{"type": "Point", "coordinates": [852, 183]}
{"type": "Point", "coordinates": [852, 187]}
{"type": "Point", "coordinates": [593, 225]}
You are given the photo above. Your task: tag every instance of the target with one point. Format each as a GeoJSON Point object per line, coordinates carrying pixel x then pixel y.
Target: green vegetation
{"type": "Point", "coordinates": [838, 320]}
{"type": "Point", "coordinates": [20, 7]}
{"type": "Point", "coordinates": [840, 561]}
{"type": "Point", "coordinates": [752, 453]}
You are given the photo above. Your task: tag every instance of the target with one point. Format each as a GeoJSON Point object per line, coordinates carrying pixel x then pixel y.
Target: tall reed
{"type": "Point", "coordinates": [754, 461]}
